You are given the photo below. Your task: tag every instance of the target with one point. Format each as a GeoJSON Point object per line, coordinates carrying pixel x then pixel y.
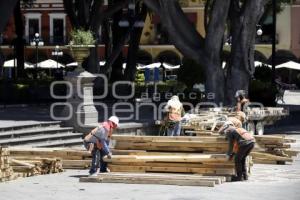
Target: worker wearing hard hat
{"type": "Point", "coordinates": [240, 95]}
{"type": "Point", "coordinates": [240, 144]}
{"type": "Point", "coordinates": [97, 142]}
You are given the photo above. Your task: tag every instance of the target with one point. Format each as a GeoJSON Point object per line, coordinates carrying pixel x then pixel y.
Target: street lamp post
{"type": "Point", "coordinates": [36, 41]}
{"type": "Point", "coordinates": [273, 41]}
{"type": "Point", "coordinates": [57, 52]}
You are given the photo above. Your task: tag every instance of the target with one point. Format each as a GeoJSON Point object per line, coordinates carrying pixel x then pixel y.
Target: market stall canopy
{"type": "Point", "coordinates": [101, 63]}
{"type": "Point", "coordinates": [289, 65]}
{"type": "Point", "coordinates": [151, 66]}
{"type": "Point", "coordinates": [258, 63]}
{"type": "Point", "coordinates": [73, 64]}
{"type": "Point", "coordinates": [13, 62]}
{"type": "Point", "coordinates": [50, 64]}
{"type": "Point", "coordinates": [170, 67]}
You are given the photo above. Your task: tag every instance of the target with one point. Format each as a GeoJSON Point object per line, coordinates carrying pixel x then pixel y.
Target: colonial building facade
{"type": "Point", "coordinates": [48, 18]}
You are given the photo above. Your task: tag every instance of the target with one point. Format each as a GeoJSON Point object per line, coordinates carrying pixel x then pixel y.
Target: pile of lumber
{"type": "Point", "coordinates": [156, 178]}
{"type": "Point", "coordinates": [26, 167]}
{"type": "Point", "coordinates": [273, 149]}
{"type": "Point", "coordinates": [182, 154]}
{"type": "Point", "coordinates": [6, 171]}
{"type": "Point", "coordinates": [58, 158]}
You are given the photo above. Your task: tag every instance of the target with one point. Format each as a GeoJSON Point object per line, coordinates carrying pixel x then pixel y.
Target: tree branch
{"type": "Point", "coordinates": [181, 31]}
{"type": "Point", "coordinates": [98, 19]}
{"type": "Point", "coordinates": [153, 5]}
{"type": "Point", "coordinates": [69, 7]}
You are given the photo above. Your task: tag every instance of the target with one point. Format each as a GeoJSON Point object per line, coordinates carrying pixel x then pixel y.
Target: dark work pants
{"type": "Point", "coordinates": [103, 165]}
{"type": "Point", "coordinates": [240, 159]}
{"type": "Point", "coordinates": [97, 161]}
{"type": "Point", "coordinates": [96, 157]}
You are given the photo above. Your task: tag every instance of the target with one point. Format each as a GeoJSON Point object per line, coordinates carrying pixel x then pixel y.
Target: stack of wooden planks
{"type": "Point", "coordinates": [156, 178]}
{"type": "Point", "coordinates": [273, 149]}
{"type": "Point", "coordinates": [182, 154]}
{"type": "Point", "coordinates": [61, 157]}
{"type": "Point", "coordinates": [269, 149]}
{"type": "Point", "coordinates": [26, 167]}
{"type": "Point", "coordinates": [6, 171]}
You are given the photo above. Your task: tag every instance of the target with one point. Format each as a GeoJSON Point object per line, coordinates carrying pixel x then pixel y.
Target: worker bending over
{"type": "Point", "coordinates": [97, 142]}
{"type": "Point", "coordinates": [240, 144]}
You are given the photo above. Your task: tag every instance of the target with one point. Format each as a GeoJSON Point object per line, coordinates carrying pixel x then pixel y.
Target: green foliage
{"type": "Point", "coordinates": [139, 78]}
{"type": "Point", "coordinates": [81, 37]}
{"type": "Point", "coordinates": [262, 92]}
{"type": "Point", "coordinates": [190, 73]}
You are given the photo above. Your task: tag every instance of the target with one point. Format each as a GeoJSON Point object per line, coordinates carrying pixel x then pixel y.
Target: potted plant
{"type": "Point", "coordinates": [80, 43]}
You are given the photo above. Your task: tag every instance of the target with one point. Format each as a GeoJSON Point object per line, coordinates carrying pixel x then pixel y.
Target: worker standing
{"type": "Point", "coordinates": [240, 144]}
{"type": "Point", "coordinates": [175, 111]}
{"type": "Point", "coordinates": [97, 142]}
{"type": "Point", "coordinates": [240, 95]}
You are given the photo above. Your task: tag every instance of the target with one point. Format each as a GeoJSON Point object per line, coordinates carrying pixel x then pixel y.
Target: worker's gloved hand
{"type": "Point", "coordinates": [230, 156]}
{"type": "Point", "coordinates": [109, 156]}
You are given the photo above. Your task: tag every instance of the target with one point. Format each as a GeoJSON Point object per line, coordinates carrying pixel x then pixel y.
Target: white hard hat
{"type": "Point", "coordinates": [114, 119]}
{"type": "Point", "coordinates": [240, 93]}
{"type": "Point", "coordinates": [175, 97]}
{"type": "Point", "coordinates": [228, 123]}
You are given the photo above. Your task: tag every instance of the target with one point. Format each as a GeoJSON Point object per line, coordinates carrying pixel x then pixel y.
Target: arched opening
{"type": "Point", "coordinates": [168, 56]}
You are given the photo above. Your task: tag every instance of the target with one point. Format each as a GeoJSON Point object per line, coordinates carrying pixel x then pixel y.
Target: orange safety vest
{"type": "Point", "coordinates": [245, 135]}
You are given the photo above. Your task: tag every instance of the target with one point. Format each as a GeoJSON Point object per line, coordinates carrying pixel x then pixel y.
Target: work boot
{"type": "Point", "coordinates": [236, 178]}
{"type": "Point", "coordinates": [245, 176]}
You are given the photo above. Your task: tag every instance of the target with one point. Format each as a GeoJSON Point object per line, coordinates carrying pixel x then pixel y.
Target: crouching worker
{"type": "Point", "coordinates": [240, 144]}
{"type": "Point", "coordinates": [97, 142]}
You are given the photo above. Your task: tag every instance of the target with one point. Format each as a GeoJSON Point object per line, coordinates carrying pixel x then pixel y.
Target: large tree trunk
{"type": "Point", "coordinates": [192, 45]}
{"type": "Point", "coordinates": [213, 48]}
{"type": "Point", "coordinates": [134, 42]}
{"type": "Point", "coordinates": [6, 8]}
{"type": "Point", "coordinates": [19, 42]}
{"type": "Point", "coordinates": [243, 30]}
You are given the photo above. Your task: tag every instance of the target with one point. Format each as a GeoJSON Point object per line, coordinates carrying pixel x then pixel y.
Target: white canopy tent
{"type": "Point", "coordinates": [73, 64]}
{"type": "Point", "coordinates": [13, 62]}
{"type": "Point", "coordinates": [150, 66]}
{"type": "Point", "coordinates": [258, 63]}
{"type": "Point", "coordinates": [289, 65]}
{"type": "Point", "coordinates": [50, 64]}
{"type": "Point", "coordinates": [168, 66]}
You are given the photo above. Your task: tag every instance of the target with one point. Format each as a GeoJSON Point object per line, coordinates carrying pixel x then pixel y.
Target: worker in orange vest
{"type": "Point", "coordinates": [174, 112]}
{"type": "Point", "coordinates": [241, 143]}
{"type": "Point", "coordinates": [97, 142]}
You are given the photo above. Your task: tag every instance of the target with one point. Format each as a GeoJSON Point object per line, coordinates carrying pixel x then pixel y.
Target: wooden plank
{"type": "Point", "coordinates": [76, 164]}
{"type": "Point", "coordinates": [175, 158]}
{"type": "Point", "coordinates": [162, 138]}
{"type": "Point", "coordinates": [267, 156]}
{"type": "Point", "coordinates": [148, 180]}
{"type": "Point", "coordinates": [21, 163]}
{"type": "Point", "coordinates": [229, 165]}
{"type": "Point", "coordinates": [217, 179]}
{"type": "Point", "coordinates": [141, 168]}
{"type": "Point", "coordinates": [179, 144]}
